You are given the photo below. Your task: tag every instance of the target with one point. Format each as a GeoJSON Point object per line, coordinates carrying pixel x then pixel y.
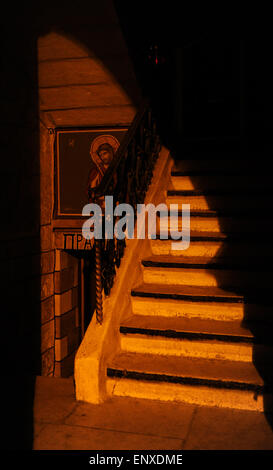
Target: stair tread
{"type": "Point", "coordinates": [190, 291]}
{"type": "Point", "coordinates": [220, 192]}
{"type": "Point", "coordinates": [190, 325]}
{"type": "Point", "coordinates": [219, 173]}
{"type": "Point", "coordinates": [207, 236]}
{"type": "Point", "coordinates": [263, 214]}
{"type": "Point", "coordinates": [202, 261]}
{"type": "Point", "coordinates": [197, 368]}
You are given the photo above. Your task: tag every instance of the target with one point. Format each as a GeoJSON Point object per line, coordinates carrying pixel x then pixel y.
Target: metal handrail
{"type": "Point", "coordinates": [101, 189]}
{"type": "Point", "coordinates": [133, 166]}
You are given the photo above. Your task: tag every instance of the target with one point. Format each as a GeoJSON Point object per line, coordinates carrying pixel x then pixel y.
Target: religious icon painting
{"type": "Point", "coordinates": [82, 157]}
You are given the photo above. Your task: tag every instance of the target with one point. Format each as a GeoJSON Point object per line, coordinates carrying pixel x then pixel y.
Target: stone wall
{"type": "Point", "coordinates": [61, 67]}
{"type": "Point", "coordinates": [85, 79]}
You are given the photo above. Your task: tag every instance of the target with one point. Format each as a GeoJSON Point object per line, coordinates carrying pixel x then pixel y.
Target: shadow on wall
{"type": "Point", "coordinates": [236, 180]}
{"type": "Point", "coordinates": [93, 31]}
{"type": "Point", "coordinates": [252, 276]}
{"type": "Point", "coordinates": [20, 200]}
{"type": "Point", "coordinates": [240, 192]}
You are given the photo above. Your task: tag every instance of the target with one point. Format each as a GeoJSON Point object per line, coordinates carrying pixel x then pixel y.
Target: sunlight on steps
{"type": "Point", "coordinates": [199, 331]}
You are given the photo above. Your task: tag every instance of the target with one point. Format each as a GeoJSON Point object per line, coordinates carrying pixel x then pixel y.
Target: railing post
{"type": "Point", "coordinates": [98, 270]}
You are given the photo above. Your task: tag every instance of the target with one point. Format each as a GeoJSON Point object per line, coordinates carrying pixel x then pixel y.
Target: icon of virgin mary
{"type": "Point", "coordinates": [102, 152]}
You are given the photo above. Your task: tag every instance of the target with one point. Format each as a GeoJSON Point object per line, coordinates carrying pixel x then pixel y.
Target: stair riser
{"type": "Point", "coordinates": [212, 249]}
{"type": "Point", "coordinates": [218, 224]}
{"type": "Point", "coordinates": [196, 395]}
{"type": "Point", "coordinates": [220, 202]}
{"type": "Point", "coordinates": [187, 348]}
{"type": "Point", "coordinates": [205, 277]}
{"type": "Point", "coordinates": [188, 309]}
{"type": "Point", "coordinates": [222, 311]}
{"type": "Point", "coordinates": [187, 183]}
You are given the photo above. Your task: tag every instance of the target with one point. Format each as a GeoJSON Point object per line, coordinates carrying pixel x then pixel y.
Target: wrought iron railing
{"type": "Point", "coordinates": [127, 180]}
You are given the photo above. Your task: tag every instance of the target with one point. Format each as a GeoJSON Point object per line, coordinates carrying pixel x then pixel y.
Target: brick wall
{"type": "Point", "coordinates": [67, 312]}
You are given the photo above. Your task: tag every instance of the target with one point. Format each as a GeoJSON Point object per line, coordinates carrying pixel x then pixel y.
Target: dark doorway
{"type": "Point", "coordinates": [86, 286]}
{"type": "Point", "coordinates": [89, 289]}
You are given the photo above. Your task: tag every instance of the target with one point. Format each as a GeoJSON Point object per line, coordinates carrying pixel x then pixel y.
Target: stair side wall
{"type": "Point", "coordinates": [101, 342]}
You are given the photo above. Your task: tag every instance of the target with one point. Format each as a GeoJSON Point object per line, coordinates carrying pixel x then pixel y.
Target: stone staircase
{"type": "Point", "coordinates": [201, 325]}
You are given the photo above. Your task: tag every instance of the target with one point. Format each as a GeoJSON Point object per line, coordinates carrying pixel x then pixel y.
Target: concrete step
{"type": "Point", "coordinates": [200, 302]}
{"type": "Point", "coordinates": [218, 383]}
{"type": "Point", "coordinates": [211, 245]}
{"type": "Point", "coordinates": [212, 180]}
{"type": "Point", "coordinates": [175, 327]}
{"type": "Point", "coordinates": [228, 222]}
{"type": "Point", "coordinates": [226, 166]}
{"type": "Point", "coordinates": [184, 337]}
{"type": "Point", "coordinates": [201, 271]}
{"type": "Point", "coordinates": [201, 200]}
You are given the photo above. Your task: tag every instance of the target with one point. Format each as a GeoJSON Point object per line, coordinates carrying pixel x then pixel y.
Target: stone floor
{"type": "Point", "coordinates": [62, 423]}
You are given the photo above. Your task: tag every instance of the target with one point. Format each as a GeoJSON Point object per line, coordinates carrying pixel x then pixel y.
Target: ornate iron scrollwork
{"type": "Point", "coordinates": [127, 180]}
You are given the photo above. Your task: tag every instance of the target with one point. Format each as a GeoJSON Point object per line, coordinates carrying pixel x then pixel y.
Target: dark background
{"type": "Point", "coordinates": [212, 85]}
